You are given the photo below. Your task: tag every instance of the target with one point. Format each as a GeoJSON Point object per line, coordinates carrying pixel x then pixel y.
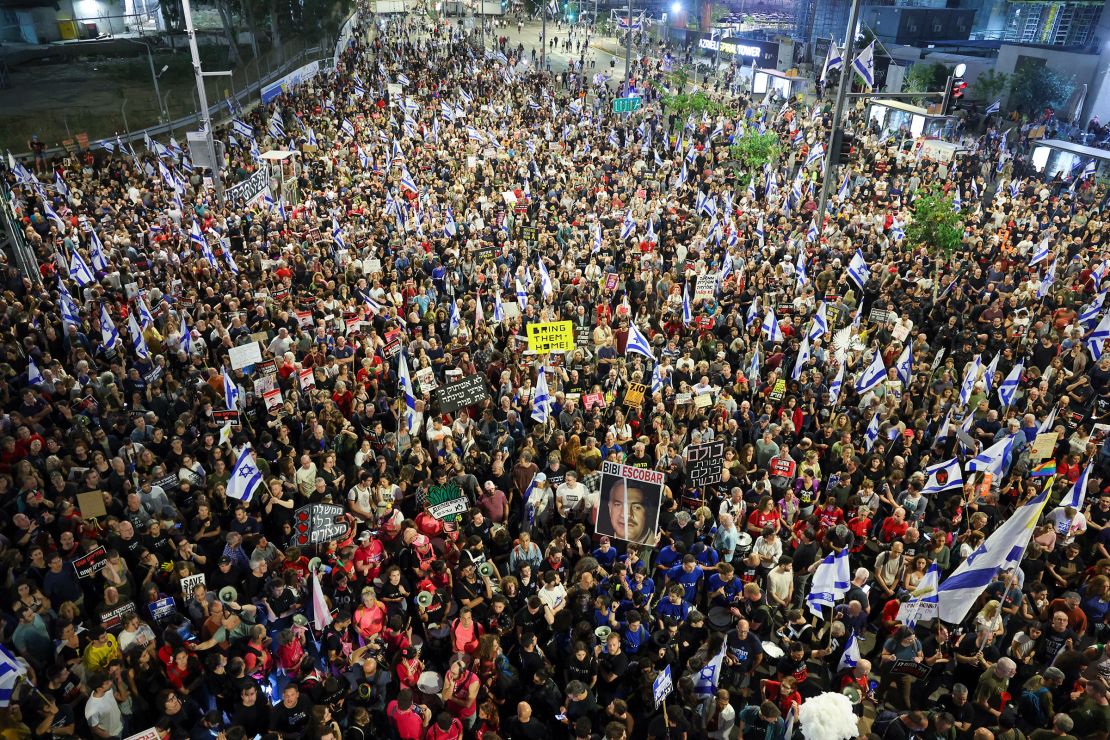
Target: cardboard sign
{"type": "Point", "coordinates": [91, 504]}
{"type": "Point", "coordinates": [91, 563]}
{"type": "Point", "coordinates": [634, 396]}
{"type": "Point", "coordinates": [705, 462]}
{"type": "Point", "coordinates": [272, 398]}
{"type": "Point", "coordinates": [1043, 446]}
{"type": "Point", "coordinates": [783, 467]}
{"type": "Point", "coordinates": [244, 355]}
{"type": "Point", "coordinates": [151, 734]}
{"type": "Point", "coordinates": [909, 668]}
{"type": "Point", "coordinates": [427, 379]}
{"type": "Point", "coordinates": [304, 318]}
{"type": "Point", "coordinates": [117, 616]}
{"type": "Point", "coordinates": [582, 336]}
{"type": "Point", "coordinates": [446, 501]}
{"type": "Point", "coordinates": [512, 310]}
{"type": "Point", "coordinates": [460, 394]}
{"type": "Point", "coordinates": [590, 400]}
{"type": "Point", "coordinates": [306, 379]}
{"type": "Point", "coordinates": [880, 316]}
{"type": "Point", "coordinates": [681, 399]}
{"type": "Point", "coordinates": [392, 348]}
{"type": "Point", "coordinates": [779, 390]}
{"type": "Point", "coordinates": [318, 523]}
{"type": "Point", "coordinates": [551, 336]}
{"type": "Point", "coordinates": [705, 287]}
{"type": "Point", "coordinates": [611, 281]}
{"type": "Point", "coordinates": [226, 416]}
{"type": "Point", "coordinates": [188, 583]}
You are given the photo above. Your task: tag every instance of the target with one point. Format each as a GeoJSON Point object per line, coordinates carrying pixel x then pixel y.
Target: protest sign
{"type": "Point", "coordinates": [634, 396]}
{"type": "Point", "coordinates": [783, 467]}
{"type": "Point", "coordinates": [1043, 446]}
{"type": "Point", "coordinates": [590, 400]}
{"type": "Point", "coordinates": [162, 609]}
{"type": "Point", "coordinates": [226, 416]}
{"type": "Point", "coordinates": [91, 563]}
{"type": "Point", "coordinates": [705, 287]}
{"type": "Point", "coordinates": [460, 394]}
{"type": "Point", "coordinates": [630, 503]}
{"type": "Point", "coordinates": [272, 398]}
{"type": "Point", "coordinates": [91, 504]}
{"type": "Point", "coordinates": [188, 583]}
{"type": "Point", "coordinates": [551, 336]}
{"type": "Point", "coordinates": [244, 355]}
{"type": "Point", "coordinates": [318, 523]}
{"type": "Point", "coordinates": [446, 501]}
{"type": "Point", "coordinates": [705, 462]}
{"type": "Point", "coordinates": [306, 379]}
{"type": "Point", "coordinates": [426, 378]}
{"type": "Point", "coordinates": [662, 686]}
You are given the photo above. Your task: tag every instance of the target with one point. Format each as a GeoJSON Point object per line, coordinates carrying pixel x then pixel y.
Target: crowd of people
{"type": "Point", "coordinates": [224, 460]}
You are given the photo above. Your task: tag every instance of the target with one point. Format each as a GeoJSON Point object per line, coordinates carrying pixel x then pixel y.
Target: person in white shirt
{"type": "Point", "coordinates": [719, 715]}
{"type": "Point", "coordinates": [553, 595]}
{"type": "Point", "coordinates": [1068, 522]}
{"type": "Point", "coordinates": [571, 498]}
{"type": "Point", "coordinates": [102, 710]}
{"type": "Point", "coordinates": [360, 497]}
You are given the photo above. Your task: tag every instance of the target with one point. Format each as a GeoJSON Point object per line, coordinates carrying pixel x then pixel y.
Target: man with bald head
{"type": "Point", "coordinates": [524, 726]}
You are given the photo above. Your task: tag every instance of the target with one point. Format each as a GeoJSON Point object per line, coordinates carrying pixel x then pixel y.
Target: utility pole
{"type": "Point", "coordinates": [847, 73]}
{"type": "Point", "coordinates": [205, 118]}
{"type": "Point", "coordinates": [543, 37]}
{"type": "Point", "coordinates": [628, 52]}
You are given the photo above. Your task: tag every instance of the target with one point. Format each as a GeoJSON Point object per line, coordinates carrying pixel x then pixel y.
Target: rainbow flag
{"type": "Point", "coordinates": [1045, 469]}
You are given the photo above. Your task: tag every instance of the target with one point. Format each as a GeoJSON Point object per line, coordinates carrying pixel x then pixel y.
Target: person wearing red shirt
{"type": "Point", "coordinates": [860, 526]}
{"type": "Point", "coordinates": [408, 719]}
{"type": "Point", "coordinates": [460, 691]}
{"type": "Point", "coordinates": [830, 516]}
{"type": "Point", "coordinates": [894, 526]}
{"type": "Point", "coordinates": [766, 515]}
{"type": "Point", "coordinates": [783, 693]}
{"type": "Point", "coordinates": [368, 557]}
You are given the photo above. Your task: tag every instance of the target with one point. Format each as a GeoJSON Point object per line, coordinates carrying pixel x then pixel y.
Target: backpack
{"type": "Point", "coordinates": [883, 722]}
{"type": "Point", "coordinates": [1031, 706]}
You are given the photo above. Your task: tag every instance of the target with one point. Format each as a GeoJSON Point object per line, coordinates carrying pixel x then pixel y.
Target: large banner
{"type": "Point", "coordinates": [704, 463]}
{"type": "Point", "coordinates": [630, 503]}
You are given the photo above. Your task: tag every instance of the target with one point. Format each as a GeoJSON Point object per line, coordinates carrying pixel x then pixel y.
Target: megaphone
{"type": "Point", "coordinates": [228, 593]}
{"type": "Point", "coordinates": [314, 565]}
{"type": "Point", "coordinates": [853, 693]}
{"type": "Point", "coordinates": [485, 569]}
{"type": "Point", "coordinates": [424, 599]}
{"type": "Point", "coordinates": [603, 632]}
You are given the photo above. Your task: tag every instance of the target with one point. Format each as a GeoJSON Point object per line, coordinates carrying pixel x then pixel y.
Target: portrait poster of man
{"type": "Point", "coordinates": [629, 505]}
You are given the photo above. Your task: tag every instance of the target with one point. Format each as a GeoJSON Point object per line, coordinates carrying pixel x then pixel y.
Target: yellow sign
{"type": "Point", "coordinates": [635, 394]}
{"type": "Point", "coordinates": [551, 336]}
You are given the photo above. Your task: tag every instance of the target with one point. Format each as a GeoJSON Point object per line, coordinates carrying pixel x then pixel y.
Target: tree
{"type": "Point", "coordinates": [753, 150]}
{"type": "Point", "coordinates": [936, 226]}
{"type": "Point", "coordinates": [1036, 87]}
{"type": "Point", "coordinates": [926, 78]}
{"type": "Point", "coordinates": [988, 86]}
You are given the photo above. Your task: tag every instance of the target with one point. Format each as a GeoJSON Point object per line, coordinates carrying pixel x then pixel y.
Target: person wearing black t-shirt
{"type": "Point", "coordinates": [291, 717]}
{"type": "Point", "coordinates": [962, 710]}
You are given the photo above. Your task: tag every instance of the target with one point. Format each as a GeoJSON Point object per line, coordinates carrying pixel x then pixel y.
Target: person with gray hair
{"type": "Point", "coordinates": [994, 682]}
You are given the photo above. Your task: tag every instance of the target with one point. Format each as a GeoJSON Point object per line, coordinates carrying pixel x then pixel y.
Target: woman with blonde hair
{"type": "Point", "coordinates": [988, 624]}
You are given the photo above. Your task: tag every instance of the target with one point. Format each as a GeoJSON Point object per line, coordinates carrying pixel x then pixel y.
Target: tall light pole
{"type": "Point", "coordinates": [205, 118]}
{"type": "Point", "coordinates": [543, 36]}
{"type": "Point", "coordinates": [846, 74]}
{"type": "Point", "coordinates": [153, 75]}
{"type": "Point", "coordinates": [628, 51]}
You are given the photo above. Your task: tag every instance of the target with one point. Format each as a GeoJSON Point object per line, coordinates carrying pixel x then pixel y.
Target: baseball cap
{"type": "Point", "coordinates": [364, 537]}
{"type": "Point", "coordinates": [540, 477]}
{"type": "Point", "coordinates": [420, 541]}
{"type": "Point", "coordinates": [225, 560]}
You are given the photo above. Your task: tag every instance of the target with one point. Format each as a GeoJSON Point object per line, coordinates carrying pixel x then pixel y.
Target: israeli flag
{"type": "Point", "coordinates": [108, 330]}
{"type": "Point", "coordinates": [988, 376]}
{"type": "Point", "coordinates": [1096, 338]}
{"type": "Point", "coordinates": [804, 356]}
{"type": "Point", "coordinates": [800, 270]}
{"type": "Point", "coordinates": [402, 79]}
{"type": "Point", "coordinates": [845, 189]}
{"type": "Point", "coordinates": [629, 225]}
{"type": "Point", "coordinates": [1008, 389]}
{"type": "Point", "coordinates": [864, 64]}
{"type": "Point", "coordinates": [79, 270]}
{"type": "Point", "coordinates": [816, 154]}
{"type": "Point", "coordinates": [993, 108]}
{"type": "Point", "coordinates": [1040, 253]}
{"type": "Point", "coordinates": [449, 227]}
{"type": "Point", "coordinates": [944, 476]}
{"type": "Point", "coordinates": [1048, 280]}
{"type": "Point", "coordinates": [34, 375]}
{"type": "Point", "coordinates": [70, 314]}
{"type": "Point", "coordinates": [924, 600]}
{"type": "Point", "coordinates": [614, 140]}
{"type": "Point", "coordinates": [407, 182]}
{"type": "Point", "coordinates": [245, 477]}
{"type": "Point", "coordinates": [995, 459]}
{"type": "Point", "coordinates": [753, 369]}
{"type": "Point", "coordinates": [709, 677]}
{"type": "Point", "coordinates": [546, 286]}
{"type": "Point", "coordinates": [858, 270]}
{"type": "Point", "coordinates": [404, 385]}
{"type": "Point", "coordinates": [541, 402]}
{"type": "Point", "coordinates": [872, 434]}
{"type": "Point", "coordinates": [682, 176]}
{"type": "Point", "coordinates": [1004, 547]}
{"type": "Point", "coordinates": [498, 308]}
{"type": "Point", "coordinates": [897, 233]}
{"type": "Point", "coordinates": [969, 380]}
{"type": "Point", "coordinates": [1088, 170]}
{"type": "Point", "coordinates": [455, 319]}
{"type": "Point", "coordinates": [904, 365]}
{"type": "Point", "coordinates": [186, 342]}
{"type": "Point", "coordinates": [638, 343]}
{"type": "Point", "coordinates": [96, 251]}
{"type": "Point", "coordinates": [687, 314]}
{"type": "Point", "coordinates": [138, 342]}
{"type": "Point", "coordinates": [521, 296]}
{"type": "Point", "coordinates": [597, 238]}
{"type": "Point", "coordinates": [836, 386]}
{"type": "Point", "coordinates": [834, 60]}
{"type": "Point", "coordinates": [957, 202]}
{"type": "Point", "coordinates": [53, 216]}
{"type": "Point", "coordinates": [1089, 314]}
{"type": "Point", "coordinates": [771, 327]}
{"type": "Point", "coordinates": [812, 233]}
{"type": "Point", "coordinates": [657, 382]}
{"type": "Point", "coordinates": [829, 583]}
{"type": "Point", "coordinates": [337, 234]}
{"type": "Point", "coordinates": [851, 657]}
{"type": "Point", "coordinates": [820, 325]}
{"type": "Point", "coordinates": [872, 376]}
{"type": "Point", "coordinates": [759, 234]}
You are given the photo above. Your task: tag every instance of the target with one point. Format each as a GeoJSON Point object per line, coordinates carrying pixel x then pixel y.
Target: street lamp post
{"type": "Point", "coordinates": [628, 51]}
{"type": "Point", "coordinates": [153, 75]}
{"type": "Point", "coordinates": [846, 75]}
{"type": "Point", "coordinates": [205, 118]}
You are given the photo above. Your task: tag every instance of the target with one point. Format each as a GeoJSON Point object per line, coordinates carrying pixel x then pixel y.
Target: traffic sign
{"type": "Point", "coordinates": [627, 105]}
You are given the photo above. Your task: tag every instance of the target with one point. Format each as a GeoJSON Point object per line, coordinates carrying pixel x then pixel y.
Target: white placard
{"type": "Point", "coordinates": [244, 355]}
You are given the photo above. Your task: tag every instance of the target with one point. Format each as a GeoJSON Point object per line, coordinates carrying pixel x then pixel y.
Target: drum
{"type": "Point", "coordinates": [720, 618]}
{"type": "Point", "coordinates": [439, 631]}
{"type": "Point", "coordinates": [773, 651]}
{"type": "Point", "coordinates": [428, 686]}
{"type": "Point", "coordinates": [743, 546]}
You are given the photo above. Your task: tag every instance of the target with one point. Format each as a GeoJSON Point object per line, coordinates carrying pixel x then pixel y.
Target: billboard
{"type": "Point", "coordinates": [630, 502]}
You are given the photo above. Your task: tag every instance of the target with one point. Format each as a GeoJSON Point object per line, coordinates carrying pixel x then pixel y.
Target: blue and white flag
{"type": "Point", "coordinates": [924, 600]}
{"type": "Point", "coordinates": [817, 154]}
{"type": "Point", "coordinates": [1003, 548]}
{"type": "Point", "coordinates": [245, 477]}
{"type": "Point", "coordinates": [771, 327]}
{"type": "Point", "coordinates": [449, 226]}
{"type": "Point", "coordinates": [108, 332]}
{"type": "Point", "coordinates": [231, 393]}
{"type": "Point", "coordinates": [628, 226]}
{"type": "Point", "coordinates": [1078, 493]}
{"type": "Point", "coordinates": [1096, 338]}
{"type": "Point", "coordinates": [242, 128]}
{"type": "Point", "coordinates": [1088, 170]}
{"type": "Point", "coordinates": [829, 583]}
{"type": "Point", "coordinates": [851, 657]}
{"type": "Point", "coordinates": [759, 230]}
{"type": "Point", "coordinates": [186, 344]}
{"type": "Point", "coordinates": [657, 382]}
{"type": "Point", "coordinates": [874, 374]}
{"type": "Point", "coordinates": [79, 270]}
{"type": "Point", "coordinates": [454, 319]}
{"type": "Point", "coordinates": [597, 238]}
{"type": "Point", "coordinates": [34, 375]}
{"type": "Point", "coordinates": [1040, 252]}
{"type": "Point", "coordinates": [687, 314]}
{"type": "Point", "coordinates": [138, 341]}
{"type": "Point", "coordinates": [638, 343]}
{"type": "Point", "coordinates": [498, 308]}
{"type": "Point", "coordinates": [541, 402]}
{"type": "Point", "coordinates": [804, 356]}
{"type": "Point", "coordinates": [871, 434]}
{"type": "Point", "coordinates": [407, 182]}
{"type": "Point", "coordinates": [546, 286]}
{"type": "Point", "coordinates": [845, 189]}
{"type": "Point", "coordinates": [904, 365]}
{"type": "Point", "coordinates": [753, 370]}
{"type": "Point", "coordinates": [864, 64]}
{"type": "Point", "coordinates": [994, 108]}
{"type": "Point", "coordinates": [944, 476]}
{"type": "Point", "coordinates": [96, 251]}
{"type": "Point", "coordinates": [858, 270]}
{"type": "Point", "coordinates": [969, 380]}
{"type": "Point", "coordinates": [705, 683]}
{"type": "Point", "coordinates": [404, 385]}
{"type": "Point", "coordinates": [337, 234]}
{"type": "Point", "coordinates": [521, 296]}
{"type": "Point", "coordinates": [995, 459]}
{"type": "Point", "coordinates": [1008, 389]}
{"type": "Point", "coordinates": [10, 672]}
{"type": "Point", "coordinates": [836, 385]}
{"type": "Point", "coordinates": [834, 60]}
{"type": "Point", "coordinates": [800, 270]}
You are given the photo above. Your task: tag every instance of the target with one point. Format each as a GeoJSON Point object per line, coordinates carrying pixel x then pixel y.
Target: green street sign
{"type": "Point", "coordinates": [627, 105]}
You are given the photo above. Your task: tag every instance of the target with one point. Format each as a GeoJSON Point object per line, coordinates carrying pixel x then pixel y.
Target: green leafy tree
{"type": "Point", "coordinates": [753, 150]}
{"type": "Point", "coordinates": [988, 86]}
{"type": "Point", "coordinates": [1035, 87]}
{"type": "Point", "coordinates": [936, 225]}
{"type": "Point", "coordinates": [925, 78]}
